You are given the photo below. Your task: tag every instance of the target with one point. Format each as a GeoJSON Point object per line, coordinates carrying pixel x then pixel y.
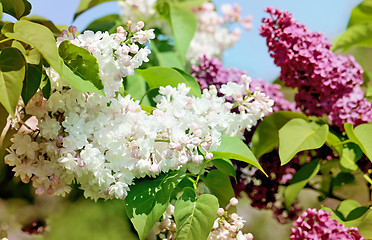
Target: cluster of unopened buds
{"type": "Point", "coordinates": [226, 226]}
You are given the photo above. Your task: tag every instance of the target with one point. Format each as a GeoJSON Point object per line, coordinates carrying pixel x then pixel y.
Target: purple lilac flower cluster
{"type": "Point", "coordinates": [313, 224]}
{"type": "Point", "coordinates": [211, 71]}
{"type": "Point", "coordinates": [326, 83]}
{"type": "Point", "coordinates": [264, 191]}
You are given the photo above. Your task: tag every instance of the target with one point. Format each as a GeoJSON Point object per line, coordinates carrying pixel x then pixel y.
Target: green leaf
{"type": "Point", "coordinates": [81, 62]}
{"type": "Point", "coordinates": [191, 80]}
{"type": "Point", "coordinates": [12, 73]}
{"type": "Point", "coordinates": [31, 82]}
{"type": "Point", "coordinates": [234, 148]}
{"type": "Point", "coordinates": [349, 156]}
{"type": "Point", "coordinates": [356, 35]}
{"type": "Point", "coordinates": [361, 13]}
{"type": "Point", "coordinates": [3, 118]}
{"type": "Point", "coordinates": [333, 143]}
{"type": "Point", "coordinates": [299, 181]}
{"type": "Point", "coordinates": [16, 8]}
{"type": "Point", "coordinates": [43, 21]}
{"type": "Point", "coordinates": [343, 178]}
{"type": "Point", "coordinates": [86, 5]}
{"type": "Point", "coordinates": [20, 47]}
{"type": "Point", "coordinates": [219, 185]}
{"type": "Point", "coordinates": [356, 213]}
{"type": "Point", "coordinates": [161, 76]}
{"type": "Point", "coordinates": [347, 206]}
{"type": "Point", "coordinates": [33, 57]}
{"type": "Point", "coordinates": [136, 86]}
{"type": "Point", "coordinates": [298, 135]}
{"type": "Point", "coordinates": [106, 23]}
{"type": "Point", "coordinates": [194, 216]}
{"type": "Point", "coordinates": [361, 135]}
{"type": "Point", "coordinates": [183, 23]}
{"type": "Point", "coordinates": [45, 87]}
{"type": "Point", "coordinates": [166, 58]}
{"type": "Point", "coordinates": [148, 199]}
{"type": "Point", "coordinates": [266, 136]}
{"type": "Point", "coordinates": [45, 43]}
{"type": "Point", "coordinates": [225, 166]}
{"type": "Point", "coordinates": [1, 10]}
{"type": "Point", "coordinates": [189, 3]}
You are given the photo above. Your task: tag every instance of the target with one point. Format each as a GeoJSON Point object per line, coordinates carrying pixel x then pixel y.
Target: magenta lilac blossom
{"type": "Point", "coordinates": [314, 224]}
{"type": "Point", "coordinates": [325, 82]}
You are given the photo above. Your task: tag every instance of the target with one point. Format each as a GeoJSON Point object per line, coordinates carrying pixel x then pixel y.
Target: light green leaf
{"type": "Point", "coordinates": [16, 8]}
{"type": "Point", "coordinates": [361, 135]}
{"type": "Point", "coordinates": [266, 136]}
{"type": "Point", "coordinates": [20, 47]}
{"type": "Point", "coordinates": [88, 4]}
{"type": "Point", "coordinates": [356, 35]}
{"type": "Point", "coordinates": [183, 23]}
{"type": "Point", "coordinates": [12, 73]}
{"type": "Point", "coordinates": [46, 22]}
{"type": "Point", "coordinates": [189, 3]}
{"type": "Point", "coordinates": [166, 58]}
{"type": "Point", "coordinates": [219, 185]}
{"type": "Point", "coordinates": [333, 143]}
{"type": "Point", "coordinates": [148, 199]}
{"type": "Point", "coordinates": [194, 216]}
{"type": "Point", "coordinates": [349, 156]}
{"type": "Point", "coordinates": [33, 57]}
{"type": "Point", "coordinates": [298, 135]}
{"type": "Point", "coordinates": [31, 82]}
{"type": "Point", "coordinates": [347, 206]}
{"type": "Point", "coordinates": [361, 13]}
{"type": "Point", "coordinates": [234, 148]}
{"type": "Point", "coordinates": [299, 181]}
{"type": "Point", "coordinates": [136, 86]}
{"type": "Point", "coordinates": [44, 42]}
{"type": "Point", "coordinates": [162, 76]}
{"type": "Point", "coordinates": [1, 10]}
{"type": "Point", "coordinates": [225, 166]}
{"type": "Point", "coordinates": [81, 62]}
{"type": "Point", "coordinates": [106, 23]}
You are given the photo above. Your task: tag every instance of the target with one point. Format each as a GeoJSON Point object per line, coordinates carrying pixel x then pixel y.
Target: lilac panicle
{"type": "Point", "coordinates": [313, 224]}
{"type": "Point", "coordinates": [325, 82]}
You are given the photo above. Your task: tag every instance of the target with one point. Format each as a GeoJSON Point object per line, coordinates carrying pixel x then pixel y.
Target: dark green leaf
{"type": "Point", "coordinates": [106, 23]}
{"type": "Point", "coordinates": [234, 148]}
{"type": "Point", "coordinates": [86, 5]}
{"type": "Point", "coordinates": [299, 181]}
{"type": "Point", "coordinates": [225, 166]}
{"type": "Point", "coordinates": [343, 178]}
{"type": "Point", "coordinates": [45, 43]}
{"type": "Point", "coordinates": [347, 206]}
{"type": "Point", "coordinates": [3, 118]}
{"type": "Point", "coordinates": [183, 23]}
{"type": "Point", "coordinates": [266, 136]}
{"type": "Point", "coordinates": [81, 62]}
{"type": "Point", "coordinates": [219, 185]}
{"type": "Point", "coordinates": [31, 82]}
{"type": "Point", "coordinates": [16, 8]}
{"type": "Point", "coordinates": [194, 217]}
{"type": "Point", "coordinates": [148, 199]}
{"type": "Point", "coordinates": [46, 87]}
{"type": "Point", "coordinates": [298, 135]}
{"type": "Point", "coordinates": [12, 73]}
{"type": "Point", "coordinates": [162, 76]}
{"type": "Point", "coordinates": [356, 213]}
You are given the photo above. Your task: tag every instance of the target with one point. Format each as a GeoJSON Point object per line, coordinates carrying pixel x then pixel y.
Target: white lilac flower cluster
{"type": "Point", "coordinates": [212, 36]}
{"type": "Point", "coordinates": [117, 54]}
{"type": "Point", "coordinates": [104, 143]}
{"type": "Point", "coordinates": [226, 226]}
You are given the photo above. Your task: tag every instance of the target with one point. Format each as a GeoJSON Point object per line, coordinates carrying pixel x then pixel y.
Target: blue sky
{"type": "Point", "coordinates": [250, 54]}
